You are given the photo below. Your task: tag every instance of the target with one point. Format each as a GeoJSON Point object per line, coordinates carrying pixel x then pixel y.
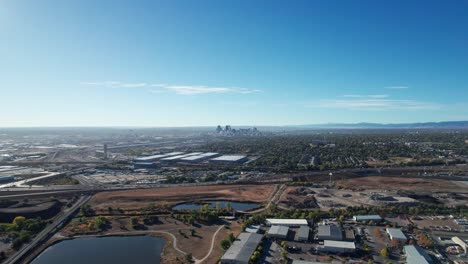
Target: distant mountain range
{"type": "Point", "coordinates": [447, 124]}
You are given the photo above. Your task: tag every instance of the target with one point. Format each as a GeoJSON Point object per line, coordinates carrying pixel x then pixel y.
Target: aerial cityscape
{"type": "Point", "coordinates": [234, 132]}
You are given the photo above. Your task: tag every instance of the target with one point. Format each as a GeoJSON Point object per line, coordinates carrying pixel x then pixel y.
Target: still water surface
{"type": "Point", "coordinates": [99, 250]}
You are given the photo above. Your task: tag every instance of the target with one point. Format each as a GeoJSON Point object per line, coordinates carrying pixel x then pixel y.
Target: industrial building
{"type": "Point", "coordinates": [229, 159]}
{"type": "Point", "coordinates": [286, 222]}
{"type": "Point", "coordinates": [253, 229]}
{"type": "Point", "coordinates": [303, 234]}
{"type": "Point", "coordinates": [337, 246]}
{"type": "Point", "coordinates": [396, 234]}
{"type": "Point", "coordinates": [200, 157]}
{"type": "Point", "coordinates": [416, 255]}
{"type": "Point", "coordinates": [278, 232]}
{"type": "Point", "coordinates": [179, 157]}
{"type": "Point", "coordinates": [242, 249]}
{"type": "Point", "coordinates": [329, 232]}
{"type": "Point", "coordinates": [155, 157]}
{"type": "Point", "coordinates": [360, 218]}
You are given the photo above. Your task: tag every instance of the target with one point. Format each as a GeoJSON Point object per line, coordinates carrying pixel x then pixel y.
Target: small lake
{"type": "Point", "coordinates": [99, 250]}
{"type": "Point", "coordinates": [238, 206]}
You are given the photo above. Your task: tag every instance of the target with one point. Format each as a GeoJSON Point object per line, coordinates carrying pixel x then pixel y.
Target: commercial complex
{"type": "Point", "coordinates": [242, 249]}
{"type": "Point", "coordinates": [156, 157]}
{"type": "Point", "coordinates": [200, 157]}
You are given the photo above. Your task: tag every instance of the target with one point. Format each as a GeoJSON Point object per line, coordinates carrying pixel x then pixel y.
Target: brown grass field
{"type": "Point", "coordinates": [399, 183]}
{"type": "Point", "coordinates": [137, 198]}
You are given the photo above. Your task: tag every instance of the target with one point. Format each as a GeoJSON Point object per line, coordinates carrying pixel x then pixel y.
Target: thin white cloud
{"type": "Point", "coordinates": [374, 104]}
{"type": "Point", "coordinates": [178, 89]}
{"type": "Point", "coordinates": [397, 87]}
{"type": "Point", "coordinates": [366, 96]}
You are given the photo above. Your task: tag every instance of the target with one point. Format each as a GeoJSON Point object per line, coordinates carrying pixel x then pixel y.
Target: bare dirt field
{"type": "Point", "coordinates": [173, 195]}
{"type": "Point", "coordinates": [399, 183]}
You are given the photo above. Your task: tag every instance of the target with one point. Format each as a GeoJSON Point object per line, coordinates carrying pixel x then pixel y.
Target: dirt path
{"type": "Point", "coordinates": [213, 239]}
{"type": "Point", "coordinates": [274, 197]}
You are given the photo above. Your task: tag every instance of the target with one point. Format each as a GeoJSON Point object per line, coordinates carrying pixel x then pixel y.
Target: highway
{"type": "Point", "coordinates": [44, 234]}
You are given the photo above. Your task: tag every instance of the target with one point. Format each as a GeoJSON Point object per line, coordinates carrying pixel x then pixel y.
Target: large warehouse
{"type": "Point", "coordinates": [242, 249]}
{"type": "Point", "coordinates": [179, 157]}
{"type": "Point", "coordinates": [329, 232]}
{"type": "Point", "coordinates": [200, 158]}
{"type": "Point", "coordinates": [229, 159]}
{"type": "Point", "coordinates": [156, 157]}
{"type": "Point", "coordinates": [286, 222]}
{"type": "Point", "coordinates": [337, 246]}
{"type": "Point", "coordinates": [396, 234]}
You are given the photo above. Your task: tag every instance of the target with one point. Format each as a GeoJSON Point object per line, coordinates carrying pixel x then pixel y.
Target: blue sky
{"type": "Point", "coordinates": [190, 63]}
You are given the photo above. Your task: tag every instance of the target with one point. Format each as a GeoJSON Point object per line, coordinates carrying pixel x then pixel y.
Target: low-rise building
{"type": "Point", "coordinates": [416, 255]}
{"type": "Point", "coordinates": [280, 232]}
{"type": "Point", "coordinates": [374, 218]}
{"type": "Point", "coordinates": [242, 249]}
{"type": "Point", "coordinates": [286, 222]}
{"type": "Point", "coordinates": [337, 246]}
{"type": "Point", "coordinates": [252, 229]}
{"type": "Point", "coordinates": [396, 234]}
{"type": "Point", "coordinates": [329, 232]}
{"type": "Point", "coordinates": [303, 234]}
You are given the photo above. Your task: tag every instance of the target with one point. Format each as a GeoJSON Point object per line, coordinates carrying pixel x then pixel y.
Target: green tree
{"type": "Point", "coordinates": [225, 244]}
{"type": "Point", "coordinates": [384, 252]}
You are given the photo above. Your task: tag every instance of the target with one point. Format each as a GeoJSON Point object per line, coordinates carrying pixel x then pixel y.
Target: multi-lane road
{"type": "Point", "coordinates": [49, 230]}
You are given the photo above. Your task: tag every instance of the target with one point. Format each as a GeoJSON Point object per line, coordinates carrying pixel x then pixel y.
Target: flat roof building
{"type": "Point", "coordinates": [253, 229]}
{"type": "Point", "coordinates": [156, 157]}
{"type": "Point", "coordinates": [396, 234]}
{"type": "Point", "coordinates": [286, 222]}
{"type": "Point", "coordinates": [242, 249]}
{"type": "Point", "coordinates": [337, 246]}
{"type": "Point", "coordinates": [201, 157]}
{"type": "Point", "coordinates": [329, 232]}
{"type": "Point", "coordinates": [229, 159]}
{"type": "Point", "coordinates": [303, 233]}
{"type": "Point", "coordinates": [416, 255]}
{"type": "Point", "coordinates": [178, 157]}
{"type": "Point", "coordinates": [375, 218]}
{"type": "Point", "coordinates": [278, 232]}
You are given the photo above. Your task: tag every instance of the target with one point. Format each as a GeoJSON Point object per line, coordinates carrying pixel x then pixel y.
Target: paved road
{"type": "Point", "coordinates": [57, 223]}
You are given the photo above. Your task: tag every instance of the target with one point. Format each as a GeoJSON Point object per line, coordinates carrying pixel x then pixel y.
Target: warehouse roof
{"type": "Point", "coordinates": [243, 247]}
{"type": "Point", "coordinates": [396, 233]}
{"type": "Point", "coordinates": [278, 230]}
{"type": "Point", "coordinates": [201, 156]}
{"type": "Point", "coordinates": [292, 222]}
{"type": "Point", "coordinates": [229, 158]}
{"type": "Point", "coordinates": [159, 156]}
{"type": "Point", "coordinates": [332, 232]}
{"type": "Point", "coordinates": [180, 156]}
{"type": "Point", "coordinates": [303, 232]}
{"type": "Point", "coordinates": [339, 244]}
{"type": "Point", "coordinates": [416, 255]}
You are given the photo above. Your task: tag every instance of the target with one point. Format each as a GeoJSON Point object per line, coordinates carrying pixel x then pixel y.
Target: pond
{"type": "Point", "coordinates": [238, 206]}
{"type": "Point", "coordinates": [98, 250]}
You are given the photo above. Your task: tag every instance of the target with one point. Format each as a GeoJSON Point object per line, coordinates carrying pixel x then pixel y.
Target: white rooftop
{"type": "Point", "coordinates": [273, 221]}
{"type": "Point", "coordinates": [339, 244]}
{"type": "Point", "coordinates": [229, 158]}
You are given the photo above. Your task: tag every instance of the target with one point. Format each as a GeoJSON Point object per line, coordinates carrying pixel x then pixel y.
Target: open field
{"type": "Point", "coordinates": [137, 198]}
{"type": "Point", "coordinates": [400, 183]}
